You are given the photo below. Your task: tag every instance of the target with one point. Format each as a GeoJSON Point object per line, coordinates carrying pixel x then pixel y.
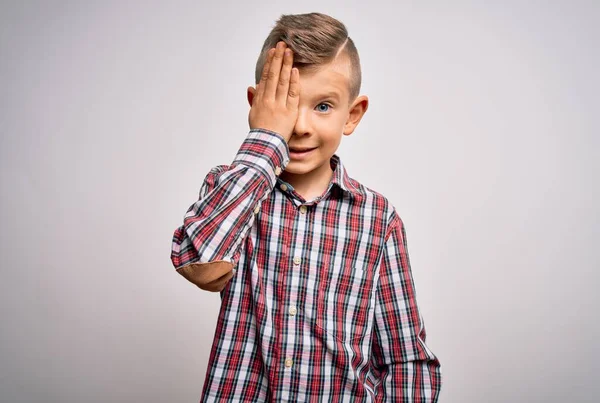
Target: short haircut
{"type": "Point", "coordinates": [316, 39]}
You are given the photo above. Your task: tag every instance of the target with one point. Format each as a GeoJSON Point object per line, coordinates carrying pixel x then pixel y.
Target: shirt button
{"type": "Point", "coordinates": [297, 260]}
{"type": "Point", "coordinates": [292, 310]}
{"type": "Point", "coordinates": [283, 187]}
{"type": "Point", "coordinates": [256, 209]}
{"type": "Point", "coordinates": [277, 170]}
{"type": "Point", "coordinates": [303, 209]}
{"type": "Point", "coordinates": [288, 362]}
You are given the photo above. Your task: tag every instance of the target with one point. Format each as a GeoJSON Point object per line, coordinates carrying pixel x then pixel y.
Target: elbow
{"type": "Point", "coordinates": [209, 276]}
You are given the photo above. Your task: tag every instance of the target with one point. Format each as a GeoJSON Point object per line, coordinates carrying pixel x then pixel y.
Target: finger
{"type": "Point", "coordinates": [260, 87]}
{"type": "Point", "coordinates": [274, 69]}
{"type": "Point", "coordinates": [294, 90]}
{"type": "Point", "coordinates": [284, 77]}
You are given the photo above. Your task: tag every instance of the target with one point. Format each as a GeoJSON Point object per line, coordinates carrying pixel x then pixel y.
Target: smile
{"type": "Point", "coordinates": [300, 153]}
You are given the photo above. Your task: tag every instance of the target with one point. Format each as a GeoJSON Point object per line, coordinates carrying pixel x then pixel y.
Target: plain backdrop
{"type": "Point", "coordinates": [482, 130]}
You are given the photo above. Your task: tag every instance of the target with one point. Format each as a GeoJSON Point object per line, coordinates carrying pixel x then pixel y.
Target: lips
{"type": "Point", "coordinates": [301, 149]}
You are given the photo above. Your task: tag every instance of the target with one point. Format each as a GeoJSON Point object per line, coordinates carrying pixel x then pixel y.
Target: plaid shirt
{"type": "Point", "coordinates": [321, 303]}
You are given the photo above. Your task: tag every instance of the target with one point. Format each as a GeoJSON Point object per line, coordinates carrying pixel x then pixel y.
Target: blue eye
{"type": "Point", "coordinates": [321, 110]}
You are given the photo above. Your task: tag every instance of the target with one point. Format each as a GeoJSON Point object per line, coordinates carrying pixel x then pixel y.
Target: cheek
{"type": "Point", "coordinates": [331, 138]}
{"type": "Point", "coordinates": [331, 125]}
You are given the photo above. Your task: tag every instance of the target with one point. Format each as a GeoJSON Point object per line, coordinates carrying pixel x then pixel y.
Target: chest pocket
{"type": "Point", "coordinates": [344, 301]}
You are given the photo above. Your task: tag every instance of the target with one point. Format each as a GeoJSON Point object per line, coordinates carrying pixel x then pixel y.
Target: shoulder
{"type": "Point", "coordinates": [380, 204]}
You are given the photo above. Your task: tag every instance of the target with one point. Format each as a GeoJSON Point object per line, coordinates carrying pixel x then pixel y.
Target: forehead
{"type": "Point", "coordinates": [331, 77]}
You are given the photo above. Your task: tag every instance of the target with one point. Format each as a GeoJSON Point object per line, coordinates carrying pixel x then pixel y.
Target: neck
{"type": "Point", "coordinates": [311, 184]}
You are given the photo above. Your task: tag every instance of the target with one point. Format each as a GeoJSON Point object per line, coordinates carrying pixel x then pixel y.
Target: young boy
{"type": "Point", "coordinates": [317, 296]}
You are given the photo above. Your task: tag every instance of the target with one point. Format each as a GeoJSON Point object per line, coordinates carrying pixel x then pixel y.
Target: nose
{"type": "Point", "coordinates": [302, 126]}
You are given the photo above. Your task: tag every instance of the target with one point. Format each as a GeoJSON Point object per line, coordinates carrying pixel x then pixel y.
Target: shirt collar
{"type": "Point", "coordinates": [341, 177]}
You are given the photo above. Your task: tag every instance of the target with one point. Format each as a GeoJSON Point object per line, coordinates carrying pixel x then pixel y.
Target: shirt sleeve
{"type": "Point", "coordinates": [404, 367]}
{"type": "Point", "coordinates": [207, 247]}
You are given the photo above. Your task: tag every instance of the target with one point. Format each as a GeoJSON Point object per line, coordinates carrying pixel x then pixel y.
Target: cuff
{"type": "Point", "coordinates": [266, 151]}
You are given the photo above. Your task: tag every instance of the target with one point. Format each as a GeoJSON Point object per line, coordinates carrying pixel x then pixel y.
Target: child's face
{"type": "Point", "coordinates": [324, 115]}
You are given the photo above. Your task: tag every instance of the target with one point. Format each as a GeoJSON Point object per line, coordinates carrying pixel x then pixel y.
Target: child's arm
{"type": "Point", "coordinates": [407, 370]}
{"type": "Point", "coordinates": [208, 245]}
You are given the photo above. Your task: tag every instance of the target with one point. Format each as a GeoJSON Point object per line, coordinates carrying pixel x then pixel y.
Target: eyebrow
{"type": "Point", "coordinates": [328, 94]}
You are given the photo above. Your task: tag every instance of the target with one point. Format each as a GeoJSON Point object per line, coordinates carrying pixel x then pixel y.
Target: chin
{"type": "Point", "coordinates": [303, 167]}
{"type": "Point", "coordinates": [297, 168]}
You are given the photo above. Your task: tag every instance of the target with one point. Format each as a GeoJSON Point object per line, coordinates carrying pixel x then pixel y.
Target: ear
{"type": "Point", "coordinates": [250, 95]}
{"type": "Point", "coordinates": [355, 113]}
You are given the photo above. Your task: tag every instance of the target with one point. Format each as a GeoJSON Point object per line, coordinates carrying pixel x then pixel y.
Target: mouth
{"type": "Point", "coordinates": [301, 150]}
{"type": "Point", "coordinates": [298, 153]}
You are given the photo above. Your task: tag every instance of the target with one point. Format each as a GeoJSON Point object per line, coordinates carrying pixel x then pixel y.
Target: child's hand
{"type": "Point", "coordinates": [275, 102]}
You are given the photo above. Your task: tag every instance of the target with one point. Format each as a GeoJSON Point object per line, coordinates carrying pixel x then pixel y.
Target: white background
{"type": "Point", "coordinates": [482, 130]}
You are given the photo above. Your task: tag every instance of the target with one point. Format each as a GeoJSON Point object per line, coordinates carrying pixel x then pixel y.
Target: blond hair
{"type": "Point", "coordinates": [316, 39]}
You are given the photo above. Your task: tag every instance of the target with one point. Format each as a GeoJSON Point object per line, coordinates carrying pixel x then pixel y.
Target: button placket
{"type": "Point", "coordinates": [292, 309]}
